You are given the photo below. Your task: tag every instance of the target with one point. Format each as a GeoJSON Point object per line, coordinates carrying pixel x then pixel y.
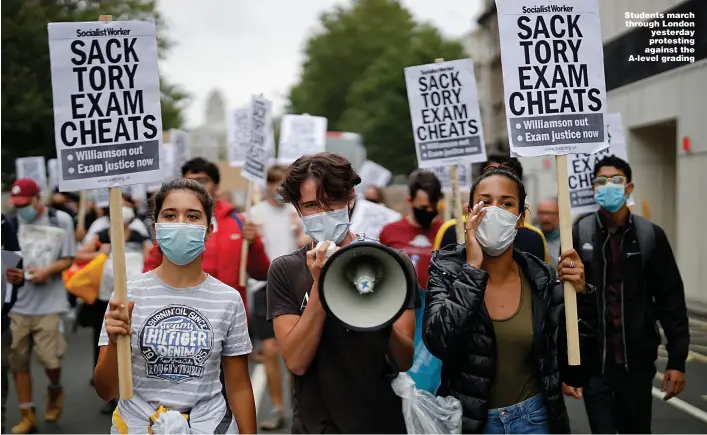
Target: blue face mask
{"type": "Point", "coordinates": [27, 213]}
{"type": "Point", "coordinates": [610, 196]}
{"type": "Point", "coordinates": [327, 226]}
{"type": "Point", "coordinates": [181, 243]}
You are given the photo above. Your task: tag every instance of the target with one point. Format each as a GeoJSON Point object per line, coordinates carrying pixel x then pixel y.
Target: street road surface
{"type": "Point", "coordinates": [82, 405]}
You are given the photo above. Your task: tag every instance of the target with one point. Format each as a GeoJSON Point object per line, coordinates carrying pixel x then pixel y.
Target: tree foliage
{"type": "Point", "coordinates": [27, 106]}
{"type": "Point", "coordinates": [353, 75]}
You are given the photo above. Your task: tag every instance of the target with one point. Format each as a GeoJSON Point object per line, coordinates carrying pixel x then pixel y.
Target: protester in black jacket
{"type": "Point", "coordinates": [494, 316]}
{"type": "Point", "coordinates": [629, 260]}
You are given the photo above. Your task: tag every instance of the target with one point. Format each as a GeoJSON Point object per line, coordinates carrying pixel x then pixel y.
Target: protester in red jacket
{"type": "Point", "coordinates": [222, 257]}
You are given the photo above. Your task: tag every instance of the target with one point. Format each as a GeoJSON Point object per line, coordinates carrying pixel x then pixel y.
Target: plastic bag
{"type": "Point", "coordinates": [425, 413]}
{"type": "Point", "coordinates": [426, 369]}
{"type": "Point", "coordinates": [170, 422]}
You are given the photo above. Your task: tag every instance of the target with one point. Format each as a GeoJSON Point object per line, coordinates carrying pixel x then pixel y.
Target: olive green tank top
{"type": "Point", "coordinates": [515, 379]}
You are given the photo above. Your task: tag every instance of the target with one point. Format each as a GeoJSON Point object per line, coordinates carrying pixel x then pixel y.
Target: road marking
{"type": "Point", "coordinates": [698, 356]}
{"type": "Point", "coordinates": [259, 382]}
{"type": "Point", "coordinates": [681, 405]}
{"type": "Point", "coordinates": [697, 321]}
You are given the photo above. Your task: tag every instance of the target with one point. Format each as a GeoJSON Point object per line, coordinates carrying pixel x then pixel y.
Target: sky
{"type": "Point", "coordinates": [244, 47]}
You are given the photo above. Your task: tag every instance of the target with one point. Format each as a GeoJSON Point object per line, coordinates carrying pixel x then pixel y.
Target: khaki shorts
{"type": "Point", "coordinates": [39, 332]}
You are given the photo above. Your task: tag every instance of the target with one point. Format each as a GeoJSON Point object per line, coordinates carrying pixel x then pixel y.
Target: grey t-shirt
{"type": "Point", "coordinates": [179, 336]}
{"type": "Point", "coordinates": [42, 244]}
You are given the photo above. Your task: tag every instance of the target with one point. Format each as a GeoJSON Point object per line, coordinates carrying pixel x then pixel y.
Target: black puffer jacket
{"type": "Point", "coordinates": [458, 330]}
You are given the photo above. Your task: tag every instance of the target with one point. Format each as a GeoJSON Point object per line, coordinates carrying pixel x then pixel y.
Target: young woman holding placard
{"type": "Point", "coordinates": [183, 324]}
{"type": "Point", "coordinates": [494, 316]}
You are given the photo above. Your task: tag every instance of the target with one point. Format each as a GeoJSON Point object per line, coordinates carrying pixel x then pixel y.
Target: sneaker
{"type": "Point", "coordinates": [55, 404]}
{"type": "Point", "coordinates": [277, 421]}
{"type": "Point", "coordinates": [27, 423]}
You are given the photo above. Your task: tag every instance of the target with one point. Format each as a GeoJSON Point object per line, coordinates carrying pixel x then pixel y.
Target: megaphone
{"type": "Point", "coordinates": [366, 286]}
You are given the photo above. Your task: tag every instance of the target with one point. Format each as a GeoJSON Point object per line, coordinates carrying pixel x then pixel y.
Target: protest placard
{"type": "Point", "coordinates": [180, 150]}
{"type": "Point", "coordinates": [238, 125]}
{"type": "Point", "coordinates": [553, 76]}
{"type": "Point", "coordinates": [369, 218]}
{"type": "Point", "coordinates": [444, 109]}
{"type": "Point", "coordinates": [107, 114]}
{"type": "Point", "coordinates": [373, 174]}
{"type": "Point", "coordinates": [53, 174]}
{"type": "Point", "coordinates": [256, 161]}
{"type": "Point", "coordinates": [301, 135]}
{"type": "Point", "coordinates": [101, 198]}
{"type": "Point", "coordinates": [580, 167]}
{"type": "Point", "coordinates": [443, 174]}
{"type": "Point", "coordinates": [34, 168]}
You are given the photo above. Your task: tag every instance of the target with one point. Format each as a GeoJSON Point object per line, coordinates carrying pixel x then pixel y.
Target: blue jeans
{"type": "Point", "coordinates": [526, 417]}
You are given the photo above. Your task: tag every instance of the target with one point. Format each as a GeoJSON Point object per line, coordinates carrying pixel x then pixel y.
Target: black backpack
{"type": "Point", "coordinates": [644, 232]}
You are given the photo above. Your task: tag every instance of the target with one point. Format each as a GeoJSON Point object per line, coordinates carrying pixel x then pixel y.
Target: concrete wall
{"type": "Point", "coordinates": [658, 113]}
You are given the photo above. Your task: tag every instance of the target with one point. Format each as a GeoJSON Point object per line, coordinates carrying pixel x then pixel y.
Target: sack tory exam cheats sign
{"type": "Point", "coordinates": [34, 168]}
{"type": "Point", "coordinates": [238, 135]}
{"type": "Point", "coordinates": [444, 109]}
{"type": "Point", "coordinates": [301, 135]}
{"type": "Point", "coordinates": [580, 167]}
{"type": "Point", "coordinates": [107, 114]}
{"type": "Point", "coordinates": [444, 176]}
{"type": "Point", "coordinates": [257, 157]}
{"type": "Point", "coordinates": [553, 76]}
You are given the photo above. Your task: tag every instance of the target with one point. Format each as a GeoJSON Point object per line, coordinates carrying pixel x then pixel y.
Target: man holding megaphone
{"type": "Point", "coordinates": [332, 330]}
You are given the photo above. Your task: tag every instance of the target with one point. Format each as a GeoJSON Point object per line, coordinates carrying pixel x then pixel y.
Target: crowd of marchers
{"type": "Point", "coordinates": [490, 310]}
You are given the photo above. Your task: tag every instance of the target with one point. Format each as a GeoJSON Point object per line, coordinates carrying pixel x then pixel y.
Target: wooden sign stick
{"type": "Point", "coordinates": [120, 290]}
{"type": "Point", "coordinates": [81, 224]}
{"type": "Point", "coordinates": [242, 276]}
{"type": "Point", "coordinates": [456, 199]}
{"type": "Point", "coordinates": [563, 202]}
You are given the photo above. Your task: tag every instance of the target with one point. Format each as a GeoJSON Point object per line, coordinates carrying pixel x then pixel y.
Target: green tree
{"type": "Point", "coordinates": [27, 107]}
{"type": "Point", "coordinates": [352, 39]}
{"type": "Point", "coordinates": [377, 104]}
{"type": "Point", "coordinates": [353, 75]}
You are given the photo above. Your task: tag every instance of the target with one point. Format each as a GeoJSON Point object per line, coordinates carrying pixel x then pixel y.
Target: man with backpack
{"type": "Point", "coordinates": [629, 259]}
{"type": "Point", "coordinates": [47, 241]}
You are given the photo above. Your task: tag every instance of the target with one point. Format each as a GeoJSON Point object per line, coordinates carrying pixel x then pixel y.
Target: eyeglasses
{"type": "Point", "coordinates": [616, 179]}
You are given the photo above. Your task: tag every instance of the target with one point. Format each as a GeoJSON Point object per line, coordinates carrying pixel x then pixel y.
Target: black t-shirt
{"type": "Point", "coordinates": [346, 388]}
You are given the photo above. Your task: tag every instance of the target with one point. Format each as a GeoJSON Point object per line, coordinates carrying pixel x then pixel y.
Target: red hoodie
{"type": "Point", "coordinates": [222, 257]}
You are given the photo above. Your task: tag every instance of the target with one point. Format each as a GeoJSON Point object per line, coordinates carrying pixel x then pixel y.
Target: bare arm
{"type": "Point", "coordinates": [298, 336]}
{"type": "Point", "coordinates": [60, 265]}
{"type": "Point", "coordinates": [89, 251]}
{"type": "Point", "coordinates": [402, 340]}
{"type": "Point", "coordinates": [240, 392]}
{"type": "Point", "coordinates": [105, 375]}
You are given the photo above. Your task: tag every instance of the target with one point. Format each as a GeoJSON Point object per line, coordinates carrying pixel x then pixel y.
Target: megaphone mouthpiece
{"type": "Point", "coordinates": [364, 278]}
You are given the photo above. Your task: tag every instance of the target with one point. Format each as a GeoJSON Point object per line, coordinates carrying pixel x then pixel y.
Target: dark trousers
{"type": "Point", "coordinates": [96, 318]}
{"type": "Point", "coordinates": [620, 401]}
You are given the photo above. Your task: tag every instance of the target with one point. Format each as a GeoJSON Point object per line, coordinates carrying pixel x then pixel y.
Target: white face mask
{"type": "Point", "coordinates": [497, 230]}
